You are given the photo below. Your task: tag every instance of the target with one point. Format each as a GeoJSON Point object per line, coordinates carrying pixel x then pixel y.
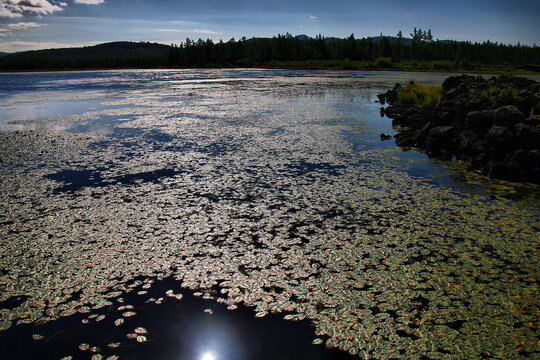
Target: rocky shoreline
{"type": "Point", "coordinates": [492, 124]}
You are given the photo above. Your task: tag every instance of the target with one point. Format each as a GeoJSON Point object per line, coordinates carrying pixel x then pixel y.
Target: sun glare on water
{"type": "Point", "coordinates": [208, 356]}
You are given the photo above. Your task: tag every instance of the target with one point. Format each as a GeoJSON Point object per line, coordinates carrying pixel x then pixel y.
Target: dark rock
{"type": "Point", "coordinates": [498, 134]}
{"type": "Point", "coordinates": [384, 137]}
{"type": "Point", "coordinates": [500, 140]}
{"type": "Point", "coordinates": [452, 82]}
{"type": "Point", "coordinates": [395, 110]}
{"type": "Point", "coordinates": [525, 164]}
{"type": "Point", "coordinates": [467, 142]}
{"type": "Point", "coordinates": [405, 139]}
{"type": "Point", "coordinates": [533, 120]}
{"type": "Point", "coordinates": [508, 116]}
{"type": "Point", "coordinates": [438, 141]}
{"type": "Point", "coordinates": [526, 103]}
{"type": "Point", "coordinates": [493, 124]}
{"type": "Point", "coordinates": [390, 96]}
{"type": "Point", "coordinates": [522, 165]}
{"type": "Point", "coordinates": [420, 135]}
{"type": "Point", "coordinates": [446, 116]}
{"type": "Point", "coordinates": [527, 137]}
{"type": "Point", "coordinates": [499, 170]}
{"type": "Point", "coordinates": [399, 120]}
{"type": "Point", "coordinates": [479, 121]}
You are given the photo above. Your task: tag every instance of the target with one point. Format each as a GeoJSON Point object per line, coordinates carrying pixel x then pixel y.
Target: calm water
{"type": "Point", "coordinates": [266, 191]}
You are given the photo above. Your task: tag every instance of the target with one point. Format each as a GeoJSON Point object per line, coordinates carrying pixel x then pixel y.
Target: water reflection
{"type": "Point", "coordinates": [208, 355]}
{"type": "Point", "coordinates": [172, 329]}
{"type": "Point", "coordinates": [209, 336]}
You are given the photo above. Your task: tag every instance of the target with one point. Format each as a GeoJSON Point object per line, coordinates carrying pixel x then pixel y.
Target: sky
{"type": "Point", "coordinates": [39, 24]}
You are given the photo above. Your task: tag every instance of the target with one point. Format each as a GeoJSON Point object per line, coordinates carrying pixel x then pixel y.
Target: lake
{"type": "Point", "coordinates": [242, 214]}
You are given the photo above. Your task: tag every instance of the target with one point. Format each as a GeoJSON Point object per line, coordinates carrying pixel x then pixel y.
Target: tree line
{"type": "Point", "coordinates": [378, 52]}
{"type": "Point", "coordinates": [282, 48]}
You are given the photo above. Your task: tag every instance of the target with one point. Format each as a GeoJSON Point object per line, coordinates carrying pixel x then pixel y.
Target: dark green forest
{"type": "Point", "coordinates": [420, 52]}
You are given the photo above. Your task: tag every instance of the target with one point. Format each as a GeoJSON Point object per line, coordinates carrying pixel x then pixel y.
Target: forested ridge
{"type": "Point", "coordinates": [420, 52]}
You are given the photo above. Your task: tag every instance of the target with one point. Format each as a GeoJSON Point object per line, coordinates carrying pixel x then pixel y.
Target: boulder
{"type": "Point", "coordinates": [452, 82]}
{"type": "Point", "coordinates": [438, 142]}
{"type": "Point", "coordinates": [390, 96]}
{"type": "Point", "coordinates": [525, 164]}
{"type": "Point", "coordinates": [508, 116]}
{"type": "Point", "coordinates": [421, 134]}
{"type": "Point", "coordinates": [479, 121]}
{"type": "Point", "coordinates": [527, 137]}
{"type": "Point", "coordinates": [500, 170]}
{"type": "Point", "coordinates": [468, 143]}
{"type": "Point", "coordinates": [500, 140]}
{"type": "Point", "coordinates": [405, 139]}
{"type": "Point", "coordinates": [533, 120]}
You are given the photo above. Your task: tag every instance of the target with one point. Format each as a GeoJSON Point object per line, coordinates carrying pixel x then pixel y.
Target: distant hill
{"type": "Point", "coordinates": [118, 49]}
{"type": "Point", "coordinates": [3, 53]}
{"type": "Point", "coordinates": [374, 39]}
{"type": "Point", "coordinates": [113, 54]}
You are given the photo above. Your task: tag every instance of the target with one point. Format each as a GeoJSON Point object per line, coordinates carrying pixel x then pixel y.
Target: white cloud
{"type": "Point", "coordinates": [8, 30]}
{"type": "Point", "coordinates": [5, 11]}
{"type": "Point", "coordinates": [89, 2]}
{"type": "Point", "coordinates": [23, 25]}
{"type": "Point", "coordinates": [199, 31]}
{"type": "Point", "coordinates": [18, 8]}
{"type": "Point", "coordinates": [312, 17]}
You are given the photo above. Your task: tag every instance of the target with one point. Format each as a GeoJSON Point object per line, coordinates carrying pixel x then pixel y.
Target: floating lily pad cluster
{"type": "Point", "coordinates": [250, 187]}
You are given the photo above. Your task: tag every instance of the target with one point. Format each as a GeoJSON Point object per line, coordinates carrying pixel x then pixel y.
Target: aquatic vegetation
{"type": "Point", "coordinates": [141, 338]}
{"type": "Point", "coordinates": [418, 94]}
{"type": "Point", "coordinates": [316, 221]}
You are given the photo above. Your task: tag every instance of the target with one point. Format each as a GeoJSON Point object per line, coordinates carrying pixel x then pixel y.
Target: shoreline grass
{"type": "Point", "coordinates": [418, 94]}
{"type": "Point", "coordinates": [386, 64]}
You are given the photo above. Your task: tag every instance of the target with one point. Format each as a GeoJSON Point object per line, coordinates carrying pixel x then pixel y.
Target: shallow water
{"type": "Point", "coordinates": [263, 188]}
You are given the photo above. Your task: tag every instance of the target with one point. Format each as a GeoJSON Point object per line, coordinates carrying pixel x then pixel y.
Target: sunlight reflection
{"type": "Point", "coordinates": [208, 356]}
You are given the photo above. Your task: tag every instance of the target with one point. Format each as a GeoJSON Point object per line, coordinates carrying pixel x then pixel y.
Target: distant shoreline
{"type": "Point", "coordinates": [319, 65]}
{"type": "Point", "coordinates": [288, 52]}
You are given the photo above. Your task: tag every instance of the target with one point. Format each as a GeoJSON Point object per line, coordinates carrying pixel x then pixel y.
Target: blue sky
{"type": "Point", "coordinates": [37, 24]}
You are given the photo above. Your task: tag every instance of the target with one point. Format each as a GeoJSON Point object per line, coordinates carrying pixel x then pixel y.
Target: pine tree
{"type": "Point", "coordinates": [429, 36]}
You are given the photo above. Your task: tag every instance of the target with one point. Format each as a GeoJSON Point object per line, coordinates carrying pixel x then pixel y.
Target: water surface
{"type": "Point", "coordinates": [259, 188]}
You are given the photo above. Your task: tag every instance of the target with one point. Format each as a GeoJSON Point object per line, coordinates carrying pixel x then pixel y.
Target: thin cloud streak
{"type": "Point", "coordinates": [199, 31]}
{"type": "Point", "coordinates": [16, 46]}
{"type": "Point", "coordinates": [89, 2]}
{"type": "Point", "coordinates": [23, 25]}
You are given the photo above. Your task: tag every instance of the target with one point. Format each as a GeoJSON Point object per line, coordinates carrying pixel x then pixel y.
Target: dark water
{"type": "Point", "coordinates": [190, 328]}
